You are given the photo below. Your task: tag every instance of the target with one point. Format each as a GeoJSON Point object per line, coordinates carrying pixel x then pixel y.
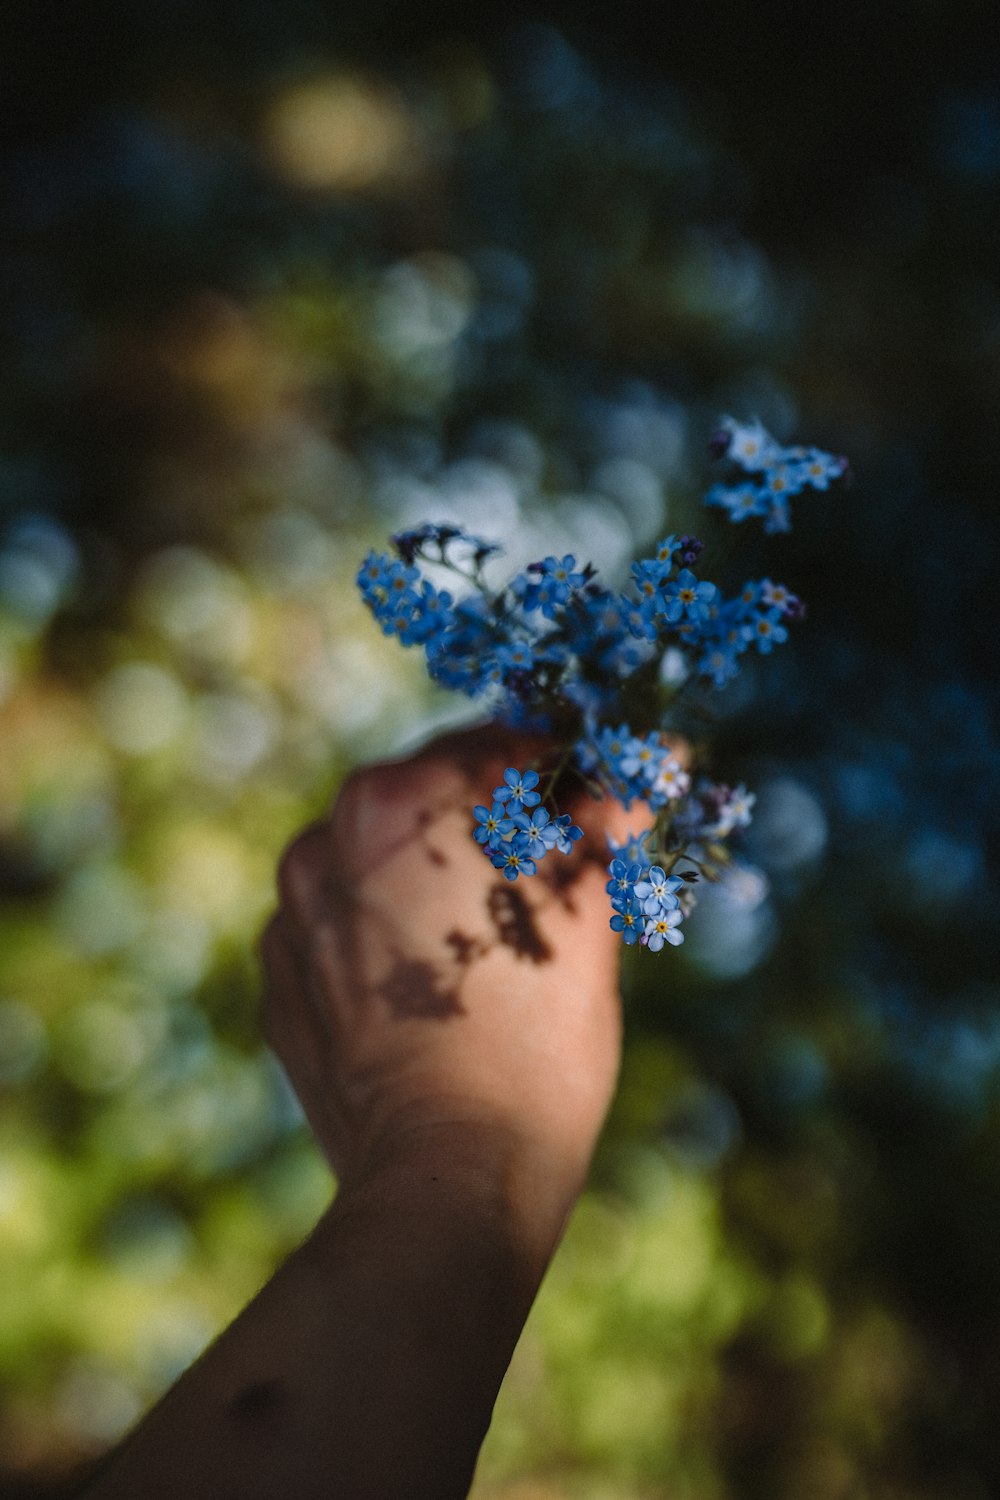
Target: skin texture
{"type": "Point", "coordinates": [454, 1039]}
{"type": "Point", "coordinates": [412, 986]}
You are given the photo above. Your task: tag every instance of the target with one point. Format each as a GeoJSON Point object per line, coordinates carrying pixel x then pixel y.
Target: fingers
{"type": "Point", "coordinates": [314, 927]}
{"type": "Point", "coordinates": [297, 1034]}
{"type": "Point", "coordinates": [309, 884]}
{"type": "Point", "coordinates": [386, 809]}
{"type": "Point", "coordinates": [291, 1023]}
{"type": "Point", "coordinates": [391, 815]}
{"type": "Point", "coordinates": [486, 749]}
{"type": "Point", "coordinates": [380, 807]}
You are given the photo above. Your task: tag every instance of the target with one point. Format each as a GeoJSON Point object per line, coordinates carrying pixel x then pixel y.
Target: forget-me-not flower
{"type": "Point", "coordinates": [517, 791]}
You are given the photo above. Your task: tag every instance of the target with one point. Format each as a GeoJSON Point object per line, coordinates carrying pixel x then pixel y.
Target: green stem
{"type": "Point", "coordinates": [553, 776]}
{"type": "Point", "coordinates": [474, 577]}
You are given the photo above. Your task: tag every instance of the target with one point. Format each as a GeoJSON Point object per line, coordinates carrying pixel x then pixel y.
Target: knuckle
{"type": "Point", "coordinates": [288, 872]}
{"type": "Point", "coordinates": [356, 792]}
{"type": "Point", "coordinates": [301, 863]}
{"type": "Point", "coordinates": [360, 802]}
{"type": "Point", "coordinates": [275, 956]}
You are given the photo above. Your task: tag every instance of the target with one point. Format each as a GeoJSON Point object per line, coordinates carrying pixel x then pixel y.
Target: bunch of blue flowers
{"type": "Point", "coordinates": [773, 474]}
{"type": "Point", "coordinates": [516, 839]}
{"type": "Point", "coordinates": [555, 651]}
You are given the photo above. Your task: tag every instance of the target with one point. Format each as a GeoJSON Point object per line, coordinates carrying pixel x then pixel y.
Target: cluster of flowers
{"type": "Point", "coordinates": [596, 637]}
{"type": "Point", "coordinates": [515, 839]}
{"type": "Point", "coordinates": [645, 904]}
{"type": "Point", "coordinates": [631, 766]}
{"type": "Point", "coordinates": [554, 650]}
{"type": "Point", "coordinates": [774, 474]}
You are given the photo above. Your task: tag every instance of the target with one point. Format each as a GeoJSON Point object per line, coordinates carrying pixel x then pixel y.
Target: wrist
{"type": "Point", "coordinates": [476, 1177]}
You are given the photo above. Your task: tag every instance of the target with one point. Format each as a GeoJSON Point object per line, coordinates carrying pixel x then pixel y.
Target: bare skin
{"type": "Point", "coordinates": [454, 1039]}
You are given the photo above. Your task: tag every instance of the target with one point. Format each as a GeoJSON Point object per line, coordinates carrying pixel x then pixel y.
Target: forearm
{"type": "Point", "coordinates": [368, 1366]}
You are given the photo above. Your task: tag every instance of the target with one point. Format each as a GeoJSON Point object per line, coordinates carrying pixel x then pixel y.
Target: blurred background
{"type": "Point", "coordinates": [277, 278]}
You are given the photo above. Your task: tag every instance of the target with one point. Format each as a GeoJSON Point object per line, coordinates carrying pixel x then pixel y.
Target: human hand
{"type": "Point", "coordinates": [413, 993]}
{"type": "Point", "coordinates": [454, 1040]}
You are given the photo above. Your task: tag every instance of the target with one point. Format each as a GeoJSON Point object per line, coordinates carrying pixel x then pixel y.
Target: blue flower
{"type": "Point", "coordinates": [631, 766]}
{"type": "Point", "coordinates": [463, 674]}
{"type": "Point", "coordinates": [532, 837]}
{"type": "Point", "coordinates": [642, 618]}
{"type": "Point", "coordinates": [399, 579]}
{"type": "Point", "coordinates": [669, 782]}
{"type": "Point", "coordinates": [517, 789]}
{"type": "Point", "coordinates": [656, 891]}
{"type": "Point", "coordinates": [686, 598]}
{"type": "Point", "coordinates": [639, 755]}
{"type": "Point", "coordinates": [734, 809]}
{"type": "Point", "coordinates": [516, 656]}
{"type": "Point", "coordinates": [632, 850]}
{"type": "Point", "coordinates": [556, 651]}
{"type": "Point", "coordinates": [458, 656]}
{"type": "Point", "coordinates": [784, 481]}
{"type": "Point", "coordinates": [750, 445]}
{"type": "Point", "coordinates": [822, 469]}
{"type": "Point", "coordinates": [623, 877]}
{"type": "Point", "coordinates": [777, 596]}
{"type": "Point", "coordinates": [629, 922]}
{"type": "Point", "coordinates": [426, 614]}
{"type": "Point", "coordinates": [662, 928]}
{"type": "Point", "coordinates": [748, 596]}
{"type": "Point", "coordinates": [553, 583]}
{"type": "Point", "coordinates": [493, 825]}
{"type": "Point", "coordinates": [435, 607]}
{"type": "Point", "coordinates": [372, 576]}
{"type": "Point", "coordinates": [513, 861]}
{"type": "Point", "coordinates": [766, 629]}
{"type": "Point", "coordinates": [739, 500]}
{"type": "Point", "coordinates": [778, 474]}
{"type": "Point", "coordinates": [387, 586]}
{"type": "Point", "coordinates": [647, 577]}
{"type": "Point", "coordinates": [718, 661]}
{"type": "Point", "coordinates": [664, 554]}
{"type": "Point", "coordinates": [563, 833]}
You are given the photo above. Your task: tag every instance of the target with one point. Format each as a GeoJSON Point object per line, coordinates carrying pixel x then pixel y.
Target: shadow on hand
{"type": "Point", "coordinates": [424, 989]}
{"type": "Point", "coordinates": [515, 924]}
{"type": "Point", "coordinates": [417, 988]}
{"type": "Point", "coordinates": [414, 988]}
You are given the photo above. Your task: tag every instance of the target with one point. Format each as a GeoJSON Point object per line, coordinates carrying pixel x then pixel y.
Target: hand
{"type": "Point", "coordinates": [413, 990]}
{"type": "Point", "coordinates": [454, 1039]}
